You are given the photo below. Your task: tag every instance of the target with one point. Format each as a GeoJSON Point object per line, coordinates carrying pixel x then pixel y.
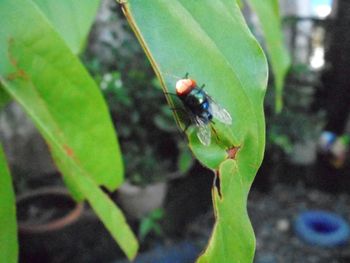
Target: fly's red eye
{"type": "Point", "coordinates": [184, 86]}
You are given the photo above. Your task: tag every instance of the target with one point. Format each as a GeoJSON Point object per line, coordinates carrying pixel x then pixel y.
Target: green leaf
{"type": "Point", "coordinates": [72, 19]}
{"type": "Point", "coordinates": [185, 160]}
{"type": "Point", "coordinates": [8, 223]}
{"type": "Point", "coordinates": [151, 223]}
{"type": "Point", "coordinates": [40, 72]}
{"type": "Point", "coordinates": [57, 92]}
{"type": "Point", "coordinates": [146, 226]}
{"type": "Point", "coordinates": [268, 13]}
{"type": "Point", "coordinates": [4, 97]}
{"type": "Point", "coordinates": [233, 238]}
{"type": "Point", "coordinates": [210, 40]}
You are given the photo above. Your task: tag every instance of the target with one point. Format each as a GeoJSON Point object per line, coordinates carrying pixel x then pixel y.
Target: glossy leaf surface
{"type": "Point", "coordinates": [8, 226]}
{"type": "Point", "coordinates": [210, 40]}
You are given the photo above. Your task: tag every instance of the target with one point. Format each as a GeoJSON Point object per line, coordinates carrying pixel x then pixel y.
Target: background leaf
{"type": "Point", "coordinates": [72, 19]}
{"type": "Point", "coordinates": [4, 97]}
{"type": "Point", "coordinates": [8, 226]}
{"type": "Point", "coordinates": [41, 74]}
{"type": "Point", "coordinates": [210, 41]}
{"type": "Point", "coordinates": [269, 17]}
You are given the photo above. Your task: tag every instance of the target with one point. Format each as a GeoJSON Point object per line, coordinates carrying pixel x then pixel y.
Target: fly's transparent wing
{"type": "Point", "coordinates": [219, 112]}
{"type": "Point", "coordinates": [203, 131]}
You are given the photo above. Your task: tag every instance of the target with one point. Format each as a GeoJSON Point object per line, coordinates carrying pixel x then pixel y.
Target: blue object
{"type": "Point", "coordinates": [184, 252]}
{"type": "Point", "coordinates": [327, 139]}
{"type": "Point", "coordinates": [322, 228]}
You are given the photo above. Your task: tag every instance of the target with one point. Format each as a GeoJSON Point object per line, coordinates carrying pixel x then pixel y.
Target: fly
{"type": "Point", "coordinates": [201, 108]}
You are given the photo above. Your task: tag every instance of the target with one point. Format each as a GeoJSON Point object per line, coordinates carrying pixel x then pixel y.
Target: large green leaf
{"type": "Point", "coordinates": [72, 19]}
{"type": "Point", "coordinates": [210, 40]}
{"type": "Point", "coordinates": [269, 16]}
{"type": "Point", "coordinates": [41, 73]}
{"type": "Point", "coordinates": [8, 226]}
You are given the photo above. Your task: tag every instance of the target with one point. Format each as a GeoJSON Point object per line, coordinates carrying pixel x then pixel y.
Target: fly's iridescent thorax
{"type": "Point", "coordinates": [197, 102]}
{"type": "Point", "coordinates": [197, 97]}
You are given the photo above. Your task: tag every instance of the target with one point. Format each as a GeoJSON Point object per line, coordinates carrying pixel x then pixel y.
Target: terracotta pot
{"type": "Point", "coordinates": [138, 201]}
{"type": "Point", "coordinates": [47, 222]}
{"type": "Point", "coordinates": [46, 210]}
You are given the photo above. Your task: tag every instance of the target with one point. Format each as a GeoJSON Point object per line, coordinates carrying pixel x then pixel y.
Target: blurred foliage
{"type": "Point", "coordinates": [8, 236]}
{"type": "Point", "coordinates": [150, 224]}
{"type": "Point", "coordinates": [298, 121]}
{"type": "Point", "coordinates": [270, 22]}
{"type": "Point", "coordinates": [4, 98]}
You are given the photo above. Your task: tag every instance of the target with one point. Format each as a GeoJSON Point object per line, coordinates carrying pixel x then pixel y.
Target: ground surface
{"type": "Point", "coordinates": [272, 216]}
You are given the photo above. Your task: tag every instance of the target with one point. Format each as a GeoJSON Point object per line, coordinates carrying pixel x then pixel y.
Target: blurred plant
{"type": "Point", "coordinates": [298, 121]}
{"type": "Point", "coordinates": [150, 224]}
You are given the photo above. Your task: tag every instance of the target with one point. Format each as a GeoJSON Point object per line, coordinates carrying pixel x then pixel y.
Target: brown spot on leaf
{"type": "Point", "coordinates": [19, 73]}
{"type": "Point", "coordinates": [69, 151]}
{"type": "Point", "coordinates": [232, 152]}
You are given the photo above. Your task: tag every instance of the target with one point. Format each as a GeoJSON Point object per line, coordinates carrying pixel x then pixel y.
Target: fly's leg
{"type": "Point", "coordinates": [188, 122]}
{"type": "Point", "coordinates": [183, 131]}
{"type": "Point", "coordinates": [170, 93]}
{"type": "Point", "coordinates": [178, 109]}
{"type": "Point", "coordinates": [186, 75]}
{"type": "Point", "coordinates": [186, 128]}
{"type": "Point", "coordinates": [202, 87]}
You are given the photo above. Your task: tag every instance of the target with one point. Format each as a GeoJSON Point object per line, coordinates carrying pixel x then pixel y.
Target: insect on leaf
{"type": "Point", "coordinates": [210, 40]}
